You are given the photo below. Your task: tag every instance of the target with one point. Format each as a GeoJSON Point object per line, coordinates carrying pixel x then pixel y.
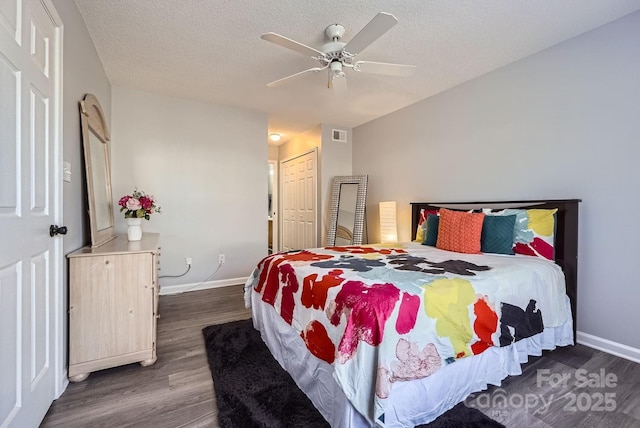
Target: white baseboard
{"type": "Point", "coordinates": [181, 288]}
{"type": "Point", "coordinates": [608, 346]}
{"type": "Point", "coordinates": [62, 384]}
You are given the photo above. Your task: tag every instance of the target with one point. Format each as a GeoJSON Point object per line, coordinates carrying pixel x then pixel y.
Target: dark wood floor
{"type": "Point", "coordinates": [177, 390]}
{"type": "Point", "coordinates": [569, 387]}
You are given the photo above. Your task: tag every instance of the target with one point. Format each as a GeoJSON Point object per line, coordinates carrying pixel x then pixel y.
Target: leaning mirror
{"type": "Point", "coordinates": [95, 141]}
{"type": "Point", "coordinates": [346, 210]}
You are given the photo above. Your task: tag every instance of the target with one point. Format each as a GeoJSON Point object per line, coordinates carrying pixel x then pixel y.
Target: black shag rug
{"type": "Point", "coordinates": [252, 390]}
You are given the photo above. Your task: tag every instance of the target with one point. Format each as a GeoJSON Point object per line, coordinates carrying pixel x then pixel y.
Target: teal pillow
{"type": "Point", "coordinates": [497, 234]}
{"type": "Point", "coordinates": [431, 230]}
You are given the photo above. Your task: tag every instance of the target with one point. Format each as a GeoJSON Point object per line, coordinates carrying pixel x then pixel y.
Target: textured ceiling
{"type": "Point", "coordinates": [211, 50]}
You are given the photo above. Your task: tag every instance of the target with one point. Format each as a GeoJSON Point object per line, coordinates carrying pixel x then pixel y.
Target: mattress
{"type": "Point", "coordinates": [365, 331]}
{"type": "Point", "coordinates": [414, 402]}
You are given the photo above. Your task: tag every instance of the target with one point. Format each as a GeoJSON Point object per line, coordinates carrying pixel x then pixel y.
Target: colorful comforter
{"type": "Point", "coordinates": [386, 315]}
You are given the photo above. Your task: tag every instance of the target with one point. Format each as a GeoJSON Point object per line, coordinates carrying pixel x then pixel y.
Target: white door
{"type": "Point", "coordinates": [30, 195]}
{"type": "Point", "coordinates": [306, 221]}
{"type": "Point", "coordinates": [299, 202]}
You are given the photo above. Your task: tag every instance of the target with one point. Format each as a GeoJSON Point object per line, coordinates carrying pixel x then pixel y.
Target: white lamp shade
{"type": "Point", "coordinates": [388, 222]}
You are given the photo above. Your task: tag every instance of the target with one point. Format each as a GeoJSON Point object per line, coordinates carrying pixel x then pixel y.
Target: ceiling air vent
{"type": "Point", "coordinates": [339, 135]}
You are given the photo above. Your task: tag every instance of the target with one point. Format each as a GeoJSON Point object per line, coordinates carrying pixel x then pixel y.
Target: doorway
{"type": "Point", "coordinates": [272, 213]}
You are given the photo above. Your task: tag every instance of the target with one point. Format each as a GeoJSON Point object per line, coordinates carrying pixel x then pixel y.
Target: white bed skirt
{"type": "Point", "coordinates": [414, 402]}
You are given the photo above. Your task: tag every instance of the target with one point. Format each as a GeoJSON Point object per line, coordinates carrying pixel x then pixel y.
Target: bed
{"type": "Point", "coordinates": [391, 336]}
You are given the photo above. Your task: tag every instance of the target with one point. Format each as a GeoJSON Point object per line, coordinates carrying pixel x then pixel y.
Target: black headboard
{"type": "Point", "coordinates": [566, 245]}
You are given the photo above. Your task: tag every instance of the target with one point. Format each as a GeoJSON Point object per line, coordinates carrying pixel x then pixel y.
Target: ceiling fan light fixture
{"type": "Point", "coordinates": [336, 67]}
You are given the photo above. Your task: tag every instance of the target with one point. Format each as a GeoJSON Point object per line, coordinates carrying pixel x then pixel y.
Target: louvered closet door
{"type": "Point", "coordinates": [30, 193]}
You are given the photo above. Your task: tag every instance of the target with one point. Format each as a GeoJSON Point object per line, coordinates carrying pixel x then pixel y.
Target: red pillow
{"type": "Point", "coordinates": [460, 231]}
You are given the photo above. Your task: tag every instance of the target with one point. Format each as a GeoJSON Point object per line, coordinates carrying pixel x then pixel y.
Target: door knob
{"type": "Point", "coordinates": [55, 230]}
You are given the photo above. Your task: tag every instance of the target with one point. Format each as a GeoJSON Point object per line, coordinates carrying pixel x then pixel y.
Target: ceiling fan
{"type": "Point", "coordinates": [336, 56]}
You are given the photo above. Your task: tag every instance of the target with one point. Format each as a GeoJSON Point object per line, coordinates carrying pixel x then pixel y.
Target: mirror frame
{"type": "Point", "coordinates": [92, 120]}
{"type": "Point", "coordinates": [334, 205]}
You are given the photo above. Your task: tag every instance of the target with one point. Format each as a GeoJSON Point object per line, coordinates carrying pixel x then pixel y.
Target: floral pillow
{"type": "Point", "coordinates": [533, 231]}
{"type": "Point", "coordinates": [422, 224]}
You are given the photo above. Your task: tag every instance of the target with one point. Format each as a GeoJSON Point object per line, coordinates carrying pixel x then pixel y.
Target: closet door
{"type": "Point", "coordinates": [299, 202]}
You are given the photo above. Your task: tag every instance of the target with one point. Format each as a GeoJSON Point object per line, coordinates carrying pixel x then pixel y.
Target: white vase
{"type": "Point", "coordinates": [134, 229]}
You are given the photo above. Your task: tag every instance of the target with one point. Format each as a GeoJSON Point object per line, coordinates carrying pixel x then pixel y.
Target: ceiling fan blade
{"type": "Point", "coordinates": [280, 81]}
{"type": "Point", "coordinates": [338, 83]}
{"type": "Point", "coordinates": [385, 68]}
{"type": "Point", "coordinates": [380, 24]}
{"type": "Point", "coordinates": [291, 44]}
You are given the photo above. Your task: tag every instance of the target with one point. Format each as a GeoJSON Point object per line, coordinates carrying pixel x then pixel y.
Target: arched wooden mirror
{"type": "Point", "coordinates": [95, 139]}
{"type": "Point", "coordinates": [346, 210]}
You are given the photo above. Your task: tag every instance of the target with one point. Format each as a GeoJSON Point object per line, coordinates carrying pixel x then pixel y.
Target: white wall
{"type": "Point", "coordinates": [564, 123]}
{"type": "Point", "coordinates": [82, 73]}
{"type": "Point", "coordinates": [206, 164]}
{"type": "Point", "coordinates": [301, 143]}
{"type": "Point", "coordinates": [336, 161]}
{"type": "Point", "coordinates": [272, 152]}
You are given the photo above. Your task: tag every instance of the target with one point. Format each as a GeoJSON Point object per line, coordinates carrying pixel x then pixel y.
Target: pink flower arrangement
{"type": "Point", "coordinates": [138, 205]}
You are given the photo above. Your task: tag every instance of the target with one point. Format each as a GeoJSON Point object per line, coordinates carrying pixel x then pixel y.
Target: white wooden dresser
{"type": "Point", "coordinates": [113, 305]}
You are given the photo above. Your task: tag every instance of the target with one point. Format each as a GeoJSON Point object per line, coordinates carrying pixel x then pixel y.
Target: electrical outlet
{"type": "Point", "coordinates": [188, 260]}
{"type": "Point", "coordinates": [221, 259]}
